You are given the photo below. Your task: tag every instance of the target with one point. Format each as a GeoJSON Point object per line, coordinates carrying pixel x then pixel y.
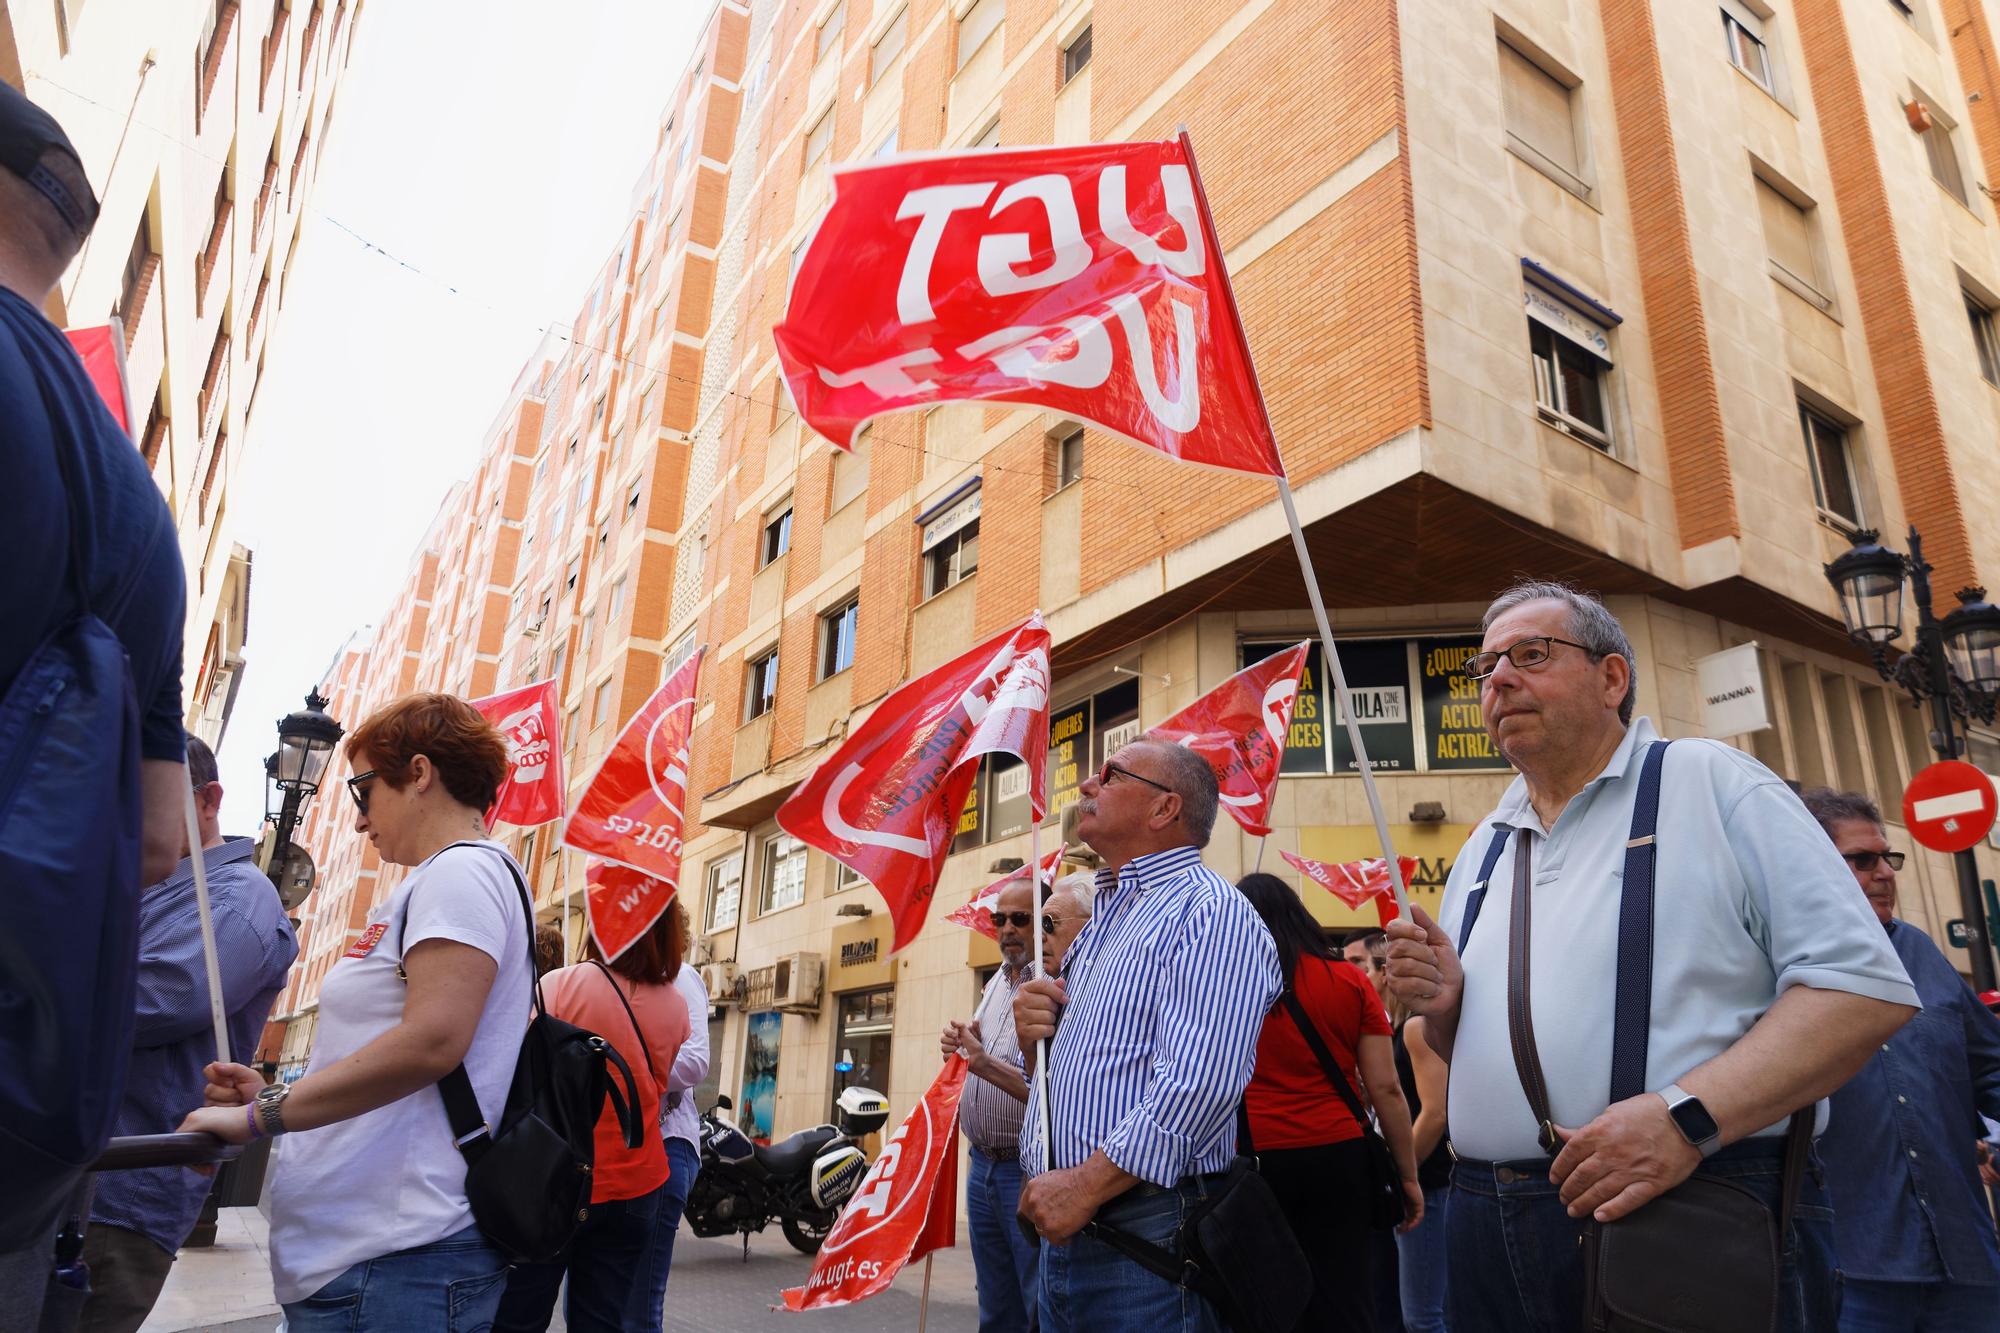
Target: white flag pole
{"type": "Point", "coordinates": [1041, 1043]}
{"type": "Point", "coordinates": [199, 861]}
{"type": "Point", "coordinates": [563, 873]}
{"type": "Point", "coordinates": [1299, 546]}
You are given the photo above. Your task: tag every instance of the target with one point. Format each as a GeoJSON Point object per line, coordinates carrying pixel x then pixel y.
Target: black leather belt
{"type": "Point", "coordinates": [998, 1154]}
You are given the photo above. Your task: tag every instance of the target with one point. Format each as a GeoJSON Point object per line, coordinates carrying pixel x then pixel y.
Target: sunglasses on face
{"type": "Point", "coordinates": [1111, 770]}
{"type": "Point", "coordinates": [358, 789]}
{"type": "Point", "coordinates": [1020, 920]}
{"type": "Point", "coordinates": [1865, 861]}
{"type": "Point", "coordinates": [1049, 924]}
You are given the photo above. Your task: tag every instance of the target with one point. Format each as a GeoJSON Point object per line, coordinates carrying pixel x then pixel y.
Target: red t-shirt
{"type": "Point", "coordinates": [1292, 1105]}
{"type": "Point", "coordinates": [582, 995]}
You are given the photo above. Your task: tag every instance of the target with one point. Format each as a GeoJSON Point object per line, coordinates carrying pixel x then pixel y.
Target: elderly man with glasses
{"type": "Point", "coordinates": [1003, 1260]}
{"type": "Point", "coordinates": [1910, 1221]}
{"type": "Point", "coordinates": [1668, 979]}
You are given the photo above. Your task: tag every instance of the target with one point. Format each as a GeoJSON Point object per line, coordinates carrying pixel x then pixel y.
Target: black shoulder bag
{"type": "Point", "coordinates": [528, 1181]}
{"type": "Point", "coordinates": [1707, 1254]}
{"type": "Point", "coordinates": [1387, 1206]}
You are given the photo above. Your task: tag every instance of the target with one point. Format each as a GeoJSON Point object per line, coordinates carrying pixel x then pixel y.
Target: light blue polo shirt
{"type": "Point", "coordinates": [1750, 898]}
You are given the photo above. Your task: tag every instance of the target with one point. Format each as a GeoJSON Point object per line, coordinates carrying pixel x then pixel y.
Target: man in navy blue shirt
{"type": "Point", "coordinates": [138, 1219]}
{"type": "Point", "coordinates": [1911, 1228]}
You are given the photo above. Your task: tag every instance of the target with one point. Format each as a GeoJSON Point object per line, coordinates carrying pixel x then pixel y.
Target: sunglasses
{"type": "Point", "coordinates": [1865, 861]}
{"type": "Point", "coordinates": [1020, 920]}
{"type": "Point", "coordinates": [1049, 924]}
{"type": "Point", "coordinates": [1111, 770]}
{"type": "Point", "coordinates": [359, 791]}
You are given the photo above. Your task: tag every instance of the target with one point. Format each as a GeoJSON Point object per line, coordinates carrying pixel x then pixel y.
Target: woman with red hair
{"type": "Point", "coordinates": [370, 1227]}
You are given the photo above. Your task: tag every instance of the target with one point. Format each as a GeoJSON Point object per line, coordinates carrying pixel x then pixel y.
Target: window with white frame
{"type": "Point", "coordinates": [951, 543]}
{"type": "Point", "coordinates": [1540, 113]}
{"type": "Point", "coordinates": [760, 684]}
{"type": "Point", "coordinates": [978, 23]}
{"type": "Point", "coordinates": [600, 708]}
{"type": "Point", "coordinates": [1788, 238]}
{"type": "Point", "coordinates": [1571, 356]}
{"type": "Point", "coordinates": [1829, 453]}
{"type": "Point", "coordinates": [888, 46]}
{"type": "Point", "coordinates": [988, 137]}
{"type": "Point", "coordinates": [888, 145]}
{"type": "Point", "coordinates": [617, 601]}
{"type": "Point", "coordinates": [818, 139]}
{"type": "Point", "coordinates": [828, 40]}
{"type": "Point", "coordinates": [1980, 315]}
{"type": "Point", "coordinates": [1942, 150]}
{"type": "Point", "coordinates": [1076, 56]}
{"type": "Point", "coordinates": [784, 878]}
{"type": "Point", "coordinates": [846, 877]}
{"type": "Point", "coordinates": [836, 637]}
{"type": "Point", "coordinates": [725, 884]}
{"type": "Point", "coordinates": [777, 538]}
{"type": "Point", "coordinates": [1069, 457]}
{"type": "Point", "coordinates": [1743, 31]}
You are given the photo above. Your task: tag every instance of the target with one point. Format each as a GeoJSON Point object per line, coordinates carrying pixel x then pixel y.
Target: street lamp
{"type": "Point", "coordinates": [305, 746]}
{"type": "Point", "coordinates": [1953, 665]}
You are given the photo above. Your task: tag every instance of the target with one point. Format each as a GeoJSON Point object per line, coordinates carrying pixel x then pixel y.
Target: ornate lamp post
{"type": "Point", "coordinates": [1953, 666]}
{"type": "Point", "coordinates": [305, 745]}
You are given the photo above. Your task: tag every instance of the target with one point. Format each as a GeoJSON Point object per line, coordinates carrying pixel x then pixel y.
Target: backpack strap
{"type": "Point", "coordinates": [1477, 899]}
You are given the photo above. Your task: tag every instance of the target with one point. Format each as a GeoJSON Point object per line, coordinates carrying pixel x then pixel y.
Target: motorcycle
{"type": "Point", "coordinates": [801, 1182]}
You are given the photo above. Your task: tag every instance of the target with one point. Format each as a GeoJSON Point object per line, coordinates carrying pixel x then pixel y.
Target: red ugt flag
{"type": "Point", "coordinates": [1239, 727]}
{"type": "Point", "coordinates": [1086, 279]}
{"type": "Point", "coordinates": [904, 1209]}
{"type": "Point", "coordinates": [634, 809]}
{"type": "Point", "coordinates": [621, 904]}
{"type": "Point", "coordinates": [887, 801]}
{"type": "Point", "coordinates": [977, 913]}
{"type": "Point", "coordinates": [1353, 882]}
{"type": "Point", "coordinates": [533, 791]}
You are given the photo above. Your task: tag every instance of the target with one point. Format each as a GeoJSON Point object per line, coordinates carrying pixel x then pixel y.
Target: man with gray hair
{"type": "Point", "coordinates": [1162, 997]}
{"type": "Point", "coordinates": [1644, 1045]}
{"type": "Point", "coordinates": [1063, 916]}
{"type": "Point", "coordinates": [1910, 1222]}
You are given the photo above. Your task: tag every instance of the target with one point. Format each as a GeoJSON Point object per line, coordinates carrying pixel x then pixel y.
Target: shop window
{"type": "Point", "coordinates": [864, 1032]}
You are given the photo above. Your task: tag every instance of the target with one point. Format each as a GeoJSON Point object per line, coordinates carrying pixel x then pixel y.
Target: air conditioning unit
{"type": "Point", "coordinates": [722, 982]}
{"type": "Point", "coordinates": [796, 983]}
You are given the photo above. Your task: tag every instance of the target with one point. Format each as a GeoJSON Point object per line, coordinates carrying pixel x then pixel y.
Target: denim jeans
{"type": "Point", "coordinates": [1517, 1257]}
{"type": "Point", "coordinates": [1089, 1287]}
{"type": "Point", "coordinates": [1916, 1307]}
{"type": "Point", "coordinates": [452, 1285]}
{"type": "Point", "coordinates": [1423, 1273]}
{"type": "Point", "coordinates": [649, 1293]}
{"type": "Point", "coordinates": [602, 1266]}
{"type": "Point", "coordinates": [1003, 1260]}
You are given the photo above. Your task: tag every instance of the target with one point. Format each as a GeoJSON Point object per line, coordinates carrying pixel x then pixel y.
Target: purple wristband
{"type": "Point", "coordinates": [256, 1131]}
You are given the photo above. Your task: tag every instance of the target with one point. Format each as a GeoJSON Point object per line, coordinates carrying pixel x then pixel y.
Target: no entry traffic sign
{"type": "Point", "coordinates": [1949, 806]}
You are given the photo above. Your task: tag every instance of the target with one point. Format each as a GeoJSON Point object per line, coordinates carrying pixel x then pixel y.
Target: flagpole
{"type": "Point", "coordinates": [198, 861]}
{"type": "Point", "coordinates": [924, 1304]}
{"type": "Point", "coordinates": [562, 871]}
{"type": "Point", "coordinates": [1041, 1043]}
{"type": "Point", "coordinates": [1299, 543]}
{"type": "Point", "coordinates": [1260, 853]}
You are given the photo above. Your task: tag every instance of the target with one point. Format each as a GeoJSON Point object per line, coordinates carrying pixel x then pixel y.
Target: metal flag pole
{"type": "Point", "coordinates": [924, 1303]}
{"type": "Point", "coordinates": [1341, 700]}
{"type": "Point", "coordinates": [199, 862]}
{"type": "Point", "coordinates": [1261, 842]}
{"type": "Point", "coordinates": [1041, 1043]}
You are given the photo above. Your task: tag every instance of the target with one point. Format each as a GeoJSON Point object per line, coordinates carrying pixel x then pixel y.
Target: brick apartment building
{"type": "Point", "coordinates": [201, 126]}
{"type": "Point", "coordinates": [1663, 299]}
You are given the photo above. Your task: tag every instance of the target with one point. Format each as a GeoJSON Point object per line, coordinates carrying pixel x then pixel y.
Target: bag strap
{"type": "Point", "coordinates": [1328, 1065]}
{"type": "Point", "coordinates": [1477, 898]}
{"type": "Point", "coordinates": [1144, 1253]}
{"type": "Point", "coordinates": [1520, 1019]}
{"type": "Point", "coordinates": [1632, 1016]}
{"type": "Point", "coordinates": [637, 1031]}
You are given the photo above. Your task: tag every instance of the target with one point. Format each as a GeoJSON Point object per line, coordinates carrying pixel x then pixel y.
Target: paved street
{"type": "Point", "coordinates": [227, 1288]}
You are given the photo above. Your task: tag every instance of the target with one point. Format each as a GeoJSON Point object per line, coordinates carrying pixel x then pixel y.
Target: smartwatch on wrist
{"type": "Point", "coordinates": [1692, 1119]}
{"type": "Point", "coordinates": [269, 1104]}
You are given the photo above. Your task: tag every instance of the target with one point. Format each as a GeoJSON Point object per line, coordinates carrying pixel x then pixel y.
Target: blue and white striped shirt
{"type": "Point", "coordinates": [1168, 986]}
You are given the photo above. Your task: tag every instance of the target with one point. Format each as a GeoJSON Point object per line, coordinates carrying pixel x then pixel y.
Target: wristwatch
{"type": "Point", "coordinates": [1692, 1119]}
{"type": "Point", "coordinates": [270, 1104]}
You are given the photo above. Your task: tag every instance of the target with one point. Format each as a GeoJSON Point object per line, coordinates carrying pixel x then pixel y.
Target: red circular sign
{"type": "Point", "coordinates": [1949, 806]}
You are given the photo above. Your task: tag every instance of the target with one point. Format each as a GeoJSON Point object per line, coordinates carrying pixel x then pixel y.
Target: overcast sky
{"type": "Point", "coordinates": [492, 145]}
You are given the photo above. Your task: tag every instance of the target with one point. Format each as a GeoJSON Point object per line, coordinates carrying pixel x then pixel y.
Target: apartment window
{"type": "Point", "coordinates": [1744, 32]}
{"type": "Point", "coordinates": [760, 685]}
{"type": "Point", "coordinates": [888, 46]}
{"type": "Point", "coordinates": [1788, 239]}
{"type": "Point", "coordinates": [777, 535]}
{"type": "Point", "coordinates": [140, 264]}
{"type": "Point", "coordinates": [1572, 363]}
{"type": "Point", "coordinates": [1906, 9]}
{"type": "Point", "coordinates": [830, 31]}
{"type": "Point", "coordinates": [818, 139]}
{"type": "Point", "coordinates": [600, 707]}
{"type": "Point", "coordinates": [1069, 458]}
{"type": "Point", "coordinates": [979, 23]}
{"type": "Point", "coordinates": [836, 638]}
{"type": "Point", "coordinates": [888, 145]}
{"type": "Point", "coordinates": [616, 602]}
{"type": "Point", "coordinates": [1981, 317]}
{"type": "Point", "coordinates": [1540, 114]}
{"type": "Point", "coordinates": [725, 884]}
{"type": "Point", "coordinates": [1076, 55]}
{"type": "Point", "coordinates": [784, 873]}
{"type": "Point", "coordinates": [988, 137]}
{"type": "Point", "coordinates": [951, 544]}
{"type": "Point", "coordinates": [1832, 461]}
{"type": "Point", "coordinates": [1943, 154]}
{"type": "Point", "coordinates": [632, 500]}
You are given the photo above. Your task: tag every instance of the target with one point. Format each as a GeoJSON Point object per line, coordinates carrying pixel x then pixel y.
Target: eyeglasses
{"type": "Point", "coordinates": [1526, 654]}
{"type": "Point", "coordinates": [1020, 920]}
{"type": "Point", "coordinates": [1049, 924]}
{"type": "Point", "coordinates": [1865, 861]}
{"type": "Point", "coordinates": [358, 791]}
{"type": "Point", "coordinates": [1110, 770]}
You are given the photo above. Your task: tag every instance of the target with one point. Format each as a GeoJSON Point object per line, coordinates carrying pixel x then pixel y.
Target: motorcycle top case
{"type": "Point", "coordinates": [861, 1111]}
{"type": "Point", "coordinates": [836, 1174]}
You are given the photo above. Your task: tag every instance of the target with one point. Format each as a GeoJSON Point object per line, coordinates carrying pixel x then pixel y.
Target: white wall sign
{"type": "Point", "coordinates": [1731, 686]}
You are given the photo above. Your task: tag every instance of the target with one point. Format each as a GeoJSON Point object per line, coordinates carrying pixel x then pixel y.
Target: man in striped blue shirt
{"type": "Point", "coordinates": [1160, 1003]}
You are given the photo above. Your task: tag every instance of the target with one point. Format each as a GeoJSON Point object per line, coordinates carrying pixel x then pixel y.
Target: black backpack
{"type": "Point", "coordinates": [528, 1181]}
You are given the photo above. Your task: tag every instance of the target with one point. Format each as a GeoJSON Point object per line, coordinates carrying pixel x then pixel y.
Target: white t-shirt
{"type": "Point", "coordinates": [391, 1179]}
{"type": "Point", "coordinates": [680, 1118]}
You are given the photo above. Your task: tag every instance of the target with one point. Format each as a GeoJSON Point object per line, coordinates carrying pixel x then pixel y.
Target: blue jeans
{"type": "Point", "coordinates": [453, 1284]}
{"type": "Point", "coordinates": [1088, 1286]}
{"type": "Point", "coordinates": [602, 1267]}
{"type": "Point", "coordinates": [649, 1293]}
{"type": "Point", "coordinates": [1422, 1273]}
{"type": "Point", "coordinates": [1517, 1260]}
{"type": "Point", "coordinates": [1003, 1260]}
{"type": "Point", "coordinates": [1916, 1307]}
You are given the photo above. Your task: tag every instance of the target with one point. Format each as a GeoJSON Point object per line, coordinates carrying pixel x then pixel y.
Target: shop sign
{"type": "Point", "coordinates": [861, 953]}
{"type": "Point", "coordinates": [1417, 710]}
{"type": "Point", "coordinates": [1731, 685]}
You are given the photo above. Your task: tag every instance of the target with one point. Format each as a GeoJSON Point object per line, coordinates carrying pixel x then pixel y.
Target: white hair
{"type": "Point", "coordinates": [1082, 886]}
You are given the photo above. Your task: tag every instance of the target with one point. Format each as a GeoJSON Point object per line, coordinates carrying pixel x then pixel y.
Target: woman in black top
{"type": "Point", "coordinates": [1421, 1250]}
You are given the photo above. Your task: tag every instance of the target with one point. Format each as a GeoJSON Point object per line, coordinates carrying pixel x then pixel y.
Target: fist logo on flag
{"type": "Point", "coordinates": [526, 720]}
{"type": "Point", "coordinates": [527, 743]}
